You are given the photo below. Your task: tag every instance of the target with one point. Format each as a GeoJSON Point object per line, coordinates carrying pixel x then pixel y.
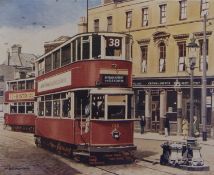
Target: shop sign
{"type": "Point", "coordinates": [21, 96]}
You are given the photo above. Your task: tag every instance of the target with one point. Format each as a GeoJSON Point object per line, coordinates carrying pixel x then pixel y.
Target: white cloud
{"type": "Point", "coordinates": [32, 39]}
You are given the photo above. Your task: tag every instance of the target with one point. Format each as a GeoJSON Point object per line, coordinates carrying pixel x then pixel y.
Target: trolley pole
{"type": "Point", "coordinates": [87, 16]}
{"type": "Point", "coordinates": [204, 82]}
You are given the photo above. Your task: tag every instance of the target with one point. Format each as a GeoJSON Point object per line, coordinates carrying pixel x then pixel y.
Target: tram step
{"type": "Point", "coordinates": [81, 154]}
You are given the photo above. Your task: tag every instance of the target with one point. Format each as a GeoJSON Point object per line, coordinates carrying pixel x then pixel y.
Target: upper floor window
{"type": "Point", "coordinates": [204, 7]}
{"type": "Point", "coordinates": [145, 17]}
{"type": "Point", "coordinates": [109, 24]}
{"type": "Point", "coordinates": [48, 63]}
{"type": "Point", "coordinates": [183, 9]}
{"type": "Point", "coordinates": [162, 57]}
{"type": "Point", "coordinates": [201, 43]}
{"type": "Point", "coordinates": [41, 67]}
{"type": "Point", "coordinates": [181, 55]}
{"type": "Point", "coordinates": [96, 25]}
{"type": "Point", "coordinates": [162, 13]}
{"type": "Point", "coordinates": [144, 55]}
{"type": "Point", "coordinates": [128, 19]}
{"type": "Point", "coordinates": [1, 78]}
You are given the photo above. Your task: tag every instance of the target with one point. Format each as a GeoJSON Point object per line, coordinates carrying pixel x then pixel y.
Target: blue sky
{"type": "Point", "coordinates": [32, 22]}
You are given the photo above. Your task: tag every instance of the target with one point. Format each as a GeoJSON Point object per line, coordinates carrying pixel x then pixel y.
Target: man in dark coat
{"type": "Point", "coordinates": [142, 124]}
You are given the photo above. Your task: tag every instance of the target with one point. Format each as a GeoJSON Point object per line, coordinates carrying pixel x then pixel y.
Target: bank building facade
{"type": "Point", "coordinates": [160, 31]}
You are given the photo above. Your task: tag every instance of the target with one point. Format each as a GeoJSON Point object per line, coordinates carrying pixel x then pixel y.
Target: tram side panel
{"type": "Point", "coordinates": [20, 120]}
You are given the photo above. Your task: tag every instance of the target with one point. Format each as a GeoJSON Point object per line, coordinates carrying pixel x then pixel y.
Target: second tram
{"type": "Point", "coordinates": [85, 99]}
{"type": "Point", "coordinates": [19, 105]}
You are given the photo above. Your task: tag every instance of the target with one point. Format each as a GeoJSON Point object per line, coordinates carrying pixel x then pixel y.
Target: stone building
{"type": "Point", "coordinates": [161, 30]}
{"type": "Point", "coordinates": [17, 65]}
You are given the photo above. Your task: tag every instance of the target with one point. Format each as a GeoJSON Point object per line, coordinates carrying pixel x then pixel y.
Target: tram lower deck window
{"type": "Point", "coordinates": [116, 112]}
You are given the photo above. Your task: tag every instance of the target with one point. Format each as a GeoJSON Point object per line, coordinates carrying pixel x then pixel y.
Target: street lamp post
{"type": "Point", "coordinates": [192, 50]}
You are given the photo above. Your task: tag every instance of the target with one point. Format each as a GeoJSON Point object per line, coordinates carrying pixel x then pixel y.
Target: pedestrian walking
{"type": "Point", "coordinates": [167, 127]}
{"type": "Point", "coordinates": [142, 124]}
{"type": "Point", "coordinates": [196, 126]}
{"type": "Point", "coordinates": [185, 128]}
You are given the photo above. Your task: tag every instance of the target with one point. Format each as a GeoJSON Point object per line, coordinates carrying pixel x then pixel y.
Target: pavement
{"type": "Point", "coordinates": [173, 138]}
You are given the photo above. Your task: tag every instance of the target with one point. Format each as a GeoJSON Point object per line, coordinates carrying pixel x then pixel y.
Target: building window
{"type": "Point", "coordinates": [144, 55]}
{"type": "Point", "coordinates": [181, 56]}
{"type": "Point", "coordinates": [1, 93]}
{"type": "Point", "coordinates": [109, 24]}
{"type": "Point", "coordinates": [96, 25]}
{"type": "Point", "coordinates": [183, 9]}
{"type": "Point", "coordinates": [145, 17]}
{"type": "Point", "coordinates": [128, 19]}
{"type": "Point", "coordinates": [1, 78]}
{"type": "Point", "coordinates": [204, 7]}
{"type": "Point", "coordinates": [162, 57]}
{"type": "Point", "coordinates": [162, 13]}
{"type": "Point", "coordinates": [201, 53]}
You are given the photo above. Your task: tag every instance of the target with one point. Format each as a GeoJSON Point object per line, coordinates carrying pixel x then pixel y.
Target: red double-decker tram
{"type": "Point", "coordinates": [19, 105]}
{"type": "Point", "coordinates": [85, 100]}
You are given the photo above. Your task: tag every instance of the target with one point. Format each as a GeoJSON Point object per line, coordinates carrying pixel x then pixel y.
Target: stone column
{"type": "Point", "coordinates": [162, 111]}
{"type": "Point", "coordinates": [179, 112]}
{"type": "Point", "coordinates": [148, 110]}
{"type": "Point", "coordinates": [212, 119]}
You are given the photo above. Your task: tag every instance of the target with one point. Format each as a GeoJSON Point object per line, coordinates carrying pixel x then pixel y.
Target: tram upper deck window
{"type": "Point", "coordinates": [21, 85]}
{"type": "Point", "coordinates": [66, 55]}
{"type": "Point", "coordinates": [13, 86]}
{"type": "Point", "coordinates": [96, 46]}
{"type": "Point", "coordinates": [85, 47]}
{"type": "Point", "coordinates": [56, 59]}
{"type": "Point", "coordinates": [74, 51]}
{"type": "Point", "coordinates": [98, 107]}
{"type": "Point", "coordinates": [116, 106]}
{"type": "Point", "coordinates": [48, 63]}
{"type": "Point", "coordinates": [41, 67]}
{"type": "Point", "coordinates": [113, 46]}
{"type": "Point", "coordinates": [30, 84]}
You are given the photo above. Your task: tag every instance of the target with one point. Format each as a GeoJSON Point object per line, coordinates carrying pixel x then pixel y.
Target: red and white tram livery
{"type": "Point", "coordinates": [19, 105]}
{"type": "Point", "coordinates": [84, 97]}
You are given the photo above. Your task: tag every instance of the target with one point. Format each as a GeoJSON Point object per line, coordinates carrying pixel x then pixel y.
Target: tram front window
{"type": "Point", "coordinates": [113, 46]}
{"type": "Point", "coordinates": [116, 112]}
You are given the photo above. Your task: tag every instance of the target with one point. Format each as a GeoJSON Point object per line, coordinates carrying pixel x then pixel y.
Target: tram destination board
{"type": "Point", "coordinates": [110, 79]}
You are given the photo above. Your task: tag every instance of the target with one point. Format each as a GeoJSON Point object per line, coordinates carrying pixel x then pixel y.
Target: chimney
{"type": "Point", "coordinates": [82, 26]}
{"type": "Point", "coordinates": [16, 49]}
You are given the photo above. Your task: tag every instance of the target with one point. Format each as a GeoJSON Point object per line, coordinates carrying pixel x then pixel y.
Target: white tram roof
{"type": "Point", "coordinates": [23, 79]}
{"type": "Point", "coordinates": [77, 35]}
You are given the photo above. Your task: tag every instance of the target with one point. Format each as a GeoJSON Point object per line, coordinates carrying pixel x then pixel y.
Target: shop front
{"type": "Point", "coordinates": [158, 98]}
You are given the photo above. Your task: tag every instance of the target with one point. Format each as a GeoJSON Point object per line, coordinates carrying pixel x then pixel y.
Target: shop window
{"type": "Point", "coordinates": [48, 63]}
{"type": "Point", "coordinates": [162, 14]}
{"type": "Point", "coordinates": [128, 19]}
{"type": "Point", "coordinates": [66, 55]}
{"type": "Point", "coordinates": [56, 59]}
{"type": "Point", "coordinates": [29, 107]}
{"type": "Point", "coordinates": [183, 9]}
{"type": "Point", "coordinates": [145, 17]}
{"type": "Point", "coordinates": [85, 47]}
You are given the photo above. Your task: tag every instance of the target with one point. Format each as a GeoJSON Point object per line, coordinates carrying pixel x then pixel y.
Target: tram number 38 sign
{"type": "Point", "coordinates": [113, 42]}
